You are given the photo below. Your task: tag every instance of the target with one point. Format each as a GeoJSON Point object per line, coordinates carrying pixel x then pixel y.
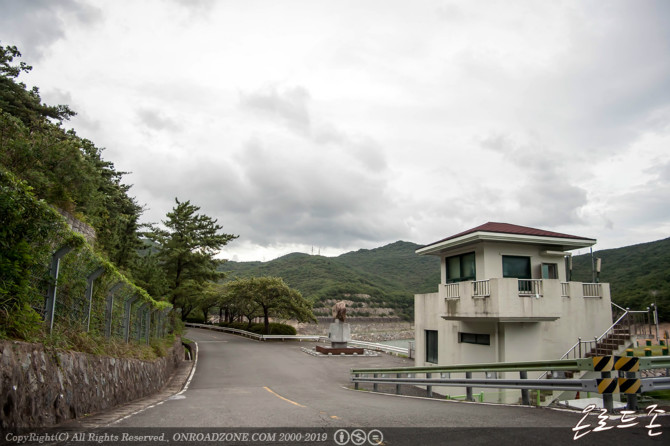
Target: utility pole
{"type": "Point", "coordinates": [654, 293]}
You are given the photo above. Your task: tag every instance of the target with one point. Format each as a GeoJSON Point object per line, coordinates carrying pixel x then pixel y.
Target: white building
{"type": "Point", "coordinates": [505, 295]}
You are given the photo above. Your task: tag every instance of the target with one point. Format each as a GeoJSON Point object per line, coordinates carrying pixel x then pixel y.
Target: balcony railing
{"type": "Point", "coordinates": [591, 290]}
{"type": "Point", "coordinates": [530, 287]}
{"type": "Point", "coordinates": [511, 299]}
{"type": "Point", "coordinates": [451, 291]}
{"type": "Point", "coordinates": [481, 288]}
{"type": "Point", "coordinates": [565, 289]}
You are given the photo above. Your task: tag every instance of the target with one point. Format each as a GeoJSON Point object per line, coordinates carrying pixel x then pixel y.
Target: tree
{"type": "Point", "coordinates": [274, 297]}
{"type": "Point", "coordinates": [186, 250]}
{"type": "Point", "coordinates": [20, 102]}
{"type": "Point", "coordinates": [63, 169]}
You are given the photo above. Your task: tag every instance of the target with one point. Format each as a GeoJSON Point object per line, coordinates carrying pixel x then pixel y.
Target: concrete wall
{"type": "Point", "coordinates": [488, 259]}
{"type": "Point", "coordinates": [363, 329]}
{"type": "Point", "coordinates": [40, 387]}
{"type": "Point", "coordinates": [583, 317]}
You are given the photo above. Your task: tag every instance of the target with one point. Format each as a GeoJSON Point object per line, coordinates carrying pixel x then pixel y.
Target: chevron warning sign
{"type": "Point", "coordinates": [630, 385]}
{"type": "Point", "coordinates": [603, 363]}
{"type": "Point", "coordinates": [627, 363]}
{"type": "Point", "coordinates": [608, 385]}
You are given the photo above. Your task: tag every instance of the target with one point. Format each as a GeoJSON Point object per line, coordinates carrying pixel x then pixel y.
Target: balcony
{"type": "Point", "coordinates": [514, 300]}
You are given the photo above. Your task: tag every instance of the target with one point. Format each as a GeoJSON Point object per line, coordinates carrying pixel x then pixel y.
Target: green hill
{"type": "Point", "coordinates": [392, 274]}
{"type": "Point", "coordinates": [389, 275]}
{"type": "Point", "coordinates": [634, 273]}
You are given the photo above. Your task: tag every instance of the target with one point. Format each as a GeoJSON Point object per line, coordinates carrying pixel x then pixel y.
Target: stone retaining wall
{"type": "Point", "coordinates": [40, 387]}
{"type": "Point", "coordinates": [364, 329]}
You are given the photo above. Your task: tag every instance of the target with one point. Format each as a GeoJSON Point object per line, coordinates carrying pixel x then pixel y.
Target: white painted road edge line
{"type": "Point", "coordinates": [188, 381]}
{"type": "Point", "coordinates": [195, 364]}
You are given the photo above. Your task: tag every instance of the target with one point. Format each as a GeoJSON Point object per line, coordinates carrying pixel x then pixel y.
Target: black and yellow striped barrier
{"type": "Point", "coordinates": [627, 363]}
{"type": "Point", "coordinates": [630, 385]}
{"type": "Point", "coordinates": [603, 363]}
{"type": "Point", "coordinates": [608, 385]}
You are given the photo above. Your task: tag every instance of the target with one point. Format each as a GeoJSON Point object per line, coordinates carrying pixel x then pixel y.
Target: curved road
{"type": "Point", "coordinates": [240, 382]}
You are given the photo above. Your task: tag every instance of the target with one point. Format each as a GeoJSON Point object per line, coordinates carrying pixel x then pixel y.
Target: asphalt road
{"type": "Point", "coordinates": [242, 383]}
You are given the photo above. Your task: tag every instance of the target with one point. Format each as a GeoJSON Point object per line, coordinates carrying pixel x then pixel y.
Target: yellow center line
{"type": "Point", "coordinates": [281, 397]}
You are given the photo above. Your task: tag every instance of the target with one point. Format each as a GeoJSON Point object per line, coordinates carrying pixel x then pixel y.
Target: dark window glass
{"type": "Point", "coordinates": [549, 271]}
{"type": "Point", "coordinates": [461, 268]}
{"type": "Point", "coordinates": [431, 346]}
{"type": "Point", "coordinates": [474, 338]}
{"type": "Point", "coordinates": [516, 266]}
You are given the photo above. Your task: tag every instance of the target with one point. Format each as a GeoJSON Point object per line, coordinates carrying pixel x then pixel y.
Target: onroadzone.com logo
{"type": "Point", "coordinates": [358, 437]}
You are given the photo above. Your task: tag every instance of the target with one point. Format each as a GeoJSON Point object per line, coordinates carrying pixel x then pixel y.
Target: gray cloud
{"type": "Point", "coordinates": [288, 106]}
{"type": "Point", "coordinates": [612, 76]}
{"type": "Point", "coordinates": [35, 25]}
{"type": "Point", "coordinates": [546, 197]}
{"type": "Point", "coordinates": [156, 120]}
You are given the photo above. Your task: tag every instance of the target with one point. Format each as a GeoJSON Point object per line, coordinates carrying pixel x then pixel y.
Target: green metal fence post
{"type": "Point", "coordinates": [50, 310]}
{"type": "Point", "coordinates": [126, 318]}
{"type": "Point", "coordinates": [89, 293]}
{"type": "Point", "coordinates": [110, 309]}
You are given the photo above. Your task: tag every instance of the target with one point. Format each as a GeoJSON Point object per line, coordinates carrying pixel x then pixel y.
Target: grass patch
{"type": "Point", "coordinates": [659, 394]}
{"type": "Point", "coordinates": [94, 344]}
{"type": "Point", "coordinates": [656, 350]}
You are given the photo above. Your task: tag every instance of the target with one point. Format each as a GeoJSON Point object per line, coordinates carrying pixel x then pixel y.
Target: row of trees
{"type": "Point", "coordinates": [174, 261]}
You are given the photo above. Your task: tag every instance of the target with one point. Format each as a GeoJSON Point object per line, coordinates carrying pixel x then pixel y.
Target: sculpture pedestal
{"type": "Point", "coordinates": [339, 334]}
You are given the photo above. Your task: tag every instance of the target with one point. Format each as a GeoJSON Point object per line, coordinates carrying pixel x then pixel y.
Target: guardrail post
{"type": "Point", "coordinates": [468, 390]}
{"type": "Point", "coordinates": [375, 386]}
{"type": "Point", "coordinates": [608, 398]}
{"type": "Point", "coordinates": [429, 388]}
{"type": "Point", "coordinates": [50, 310]}
{"type": "Point", "coordinates": [110, 309]}
{"type": "Point", "coordinates": [89, 293]}
{"type": "Point", "coordinates": [525, 394]}
{"type": "Point", "coordinates": [397, 386]}
{"type": "Point", "coordinates": [356, 383]}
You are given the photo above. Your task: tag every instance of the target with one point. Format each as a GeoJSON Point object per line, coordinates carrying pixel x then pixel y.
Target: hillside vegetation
{"type": "Point", "coordinates": [392, 274]}
{"type": "Point", "coordinates": [386, 277]}
{"type": "Point", "coordinates": [634, 273]}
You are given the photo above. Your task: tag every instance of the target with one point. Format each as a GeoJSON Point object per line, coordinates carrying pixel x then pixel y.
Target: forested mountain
{"type": "Point", "coordinates": [394, 273]}
{"type": "Point", "coordinates": [390, 275]}
{"type": "Point", "coordinates": [634, 273]}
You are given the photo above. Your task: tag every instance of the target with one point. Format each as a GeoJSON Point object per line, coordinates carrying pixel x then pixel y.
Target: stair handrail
{"type": "Point", "coordinates": [579, 343]}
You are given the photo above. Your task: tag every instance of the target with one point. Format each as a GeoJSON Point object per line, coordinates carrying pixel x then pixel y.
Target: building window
{"type": "Point", "coordinates": [431, 346]}
{"type": "Point", "coordinates": [474, 338]}
{"type": "Point", "coordinates": [550, 271]}
{"type": "Point", "coordinates": [461, 268]}
{"type": "Point", "coordinates": [516, 266]}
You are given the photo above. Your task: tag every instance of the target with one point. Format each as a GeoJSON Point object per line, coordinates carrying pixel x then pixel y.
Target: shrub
{"type": "Point", "coordinates": [275, 329]}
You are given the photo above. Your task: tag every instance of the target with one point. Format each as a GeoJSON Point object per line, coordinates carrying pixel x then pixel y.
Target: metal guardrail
{"type": "Point", "coordinates": [607, 385]}
{"type": "Point", "coordinates": [256, 336]}
{"type": "Point", "coordinates": [313, 338]}
{"type": "Point", "coordinates": [381, 347]}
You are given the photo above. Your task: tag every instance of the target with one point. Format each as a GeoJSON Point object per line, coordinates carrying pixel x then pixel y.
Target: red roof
{"type": "Point", "coordinates": [506, 228]}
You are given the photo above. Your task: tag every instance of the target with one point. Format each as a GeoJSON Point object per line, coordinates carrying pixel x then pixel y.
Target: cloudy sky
{"type": "Point", "coordinates": [342, 125]}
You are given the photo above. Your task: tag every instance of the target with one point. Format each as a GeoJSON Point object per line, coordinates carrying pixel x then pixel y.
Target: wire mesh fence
{"type": "Point", "coordinates": [50, 273]}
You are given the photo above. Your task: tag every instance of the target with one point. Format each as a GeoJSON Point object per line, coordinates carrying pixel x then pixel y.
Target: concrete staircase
{"type": "Point", "coordinates": [612, 342]}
